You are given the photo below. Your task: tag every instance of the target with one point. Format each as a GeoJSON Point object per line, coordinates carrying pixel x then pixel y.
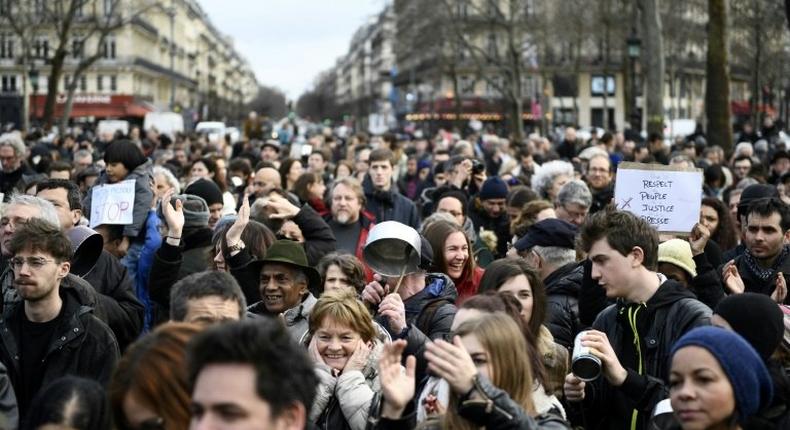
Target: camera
{"type": "Point", "coordinates": [478, 167]}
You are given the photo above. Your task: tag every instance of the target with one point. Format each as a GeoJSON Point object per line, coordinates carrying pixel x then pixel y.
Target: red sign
{"type": "Point", "coordinates": [95, 105]}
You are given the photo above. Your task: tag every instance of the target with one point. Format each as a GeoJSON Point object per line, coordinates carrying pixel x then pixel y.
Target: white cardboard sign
{"type": "Point", "coordinates": [112, 204]}
{"type": "Point", "coordinates": [668, 198]}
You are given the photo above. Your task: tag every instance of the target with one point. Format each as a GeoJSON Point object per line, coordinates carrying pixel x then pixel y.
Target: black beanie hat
{"type": "Point", "coordinates": [206, 189]}
{"type": "Point", "coordinates": [757, 318]}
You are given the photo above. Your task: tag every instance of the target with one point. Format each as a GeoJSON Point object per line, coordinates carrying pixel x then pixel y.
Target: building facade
{"type": "Point", "coordinates": [166, 56]}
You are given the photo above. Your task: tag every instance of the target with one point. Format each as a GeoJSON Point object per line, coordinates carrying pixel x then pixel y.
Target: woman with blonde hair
{"type": "Point", "coordinates": [345, 344]}
{"type": "Point", "coordinates": [488, 371]}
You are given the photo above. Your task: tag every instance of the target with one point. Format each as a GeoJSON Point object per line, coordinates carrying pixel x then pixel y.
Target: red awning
{"type": "Point", "coordinates": [99, 106]}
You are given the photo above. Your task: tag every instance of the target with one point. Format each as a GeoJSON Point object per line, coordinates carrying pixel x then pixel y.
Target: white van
{"type": "Point", "coordinates": [215, 130]}
{"type": "Point", "coordinates": [110, 126]}
{"type": "Point", "coordinates": [168, 123]}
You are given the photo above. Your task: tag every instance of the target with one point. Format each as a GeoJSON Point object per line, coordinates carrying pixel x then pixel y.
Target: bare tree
{"type": "Point", "coordinates": [95, 25]}
{"type": "Point", "coordinates": [653, 59]}
{"type": "Point", "coordinates": [494, 33]}
{"type": "Point", "coordinates": [270, 102]}
{"type": "Point", "coordinates": [22, 18]}
{"type": "Point", "coordinates": [717, 90]}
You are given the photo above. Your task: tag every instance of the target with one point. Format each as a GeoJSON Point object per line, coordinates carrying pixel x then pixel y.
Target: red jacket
{"type": "Point", "coordinates": [467, 287]}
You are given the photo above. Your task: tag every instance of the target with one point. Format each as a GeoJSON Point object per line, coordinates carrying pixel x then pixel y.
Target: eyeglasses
{"type": "Point", "coordinates": [34, 263]}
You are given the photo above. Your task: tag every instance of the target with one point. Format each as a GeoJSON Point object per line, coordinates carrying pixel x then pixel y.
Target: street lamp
{"type": "Point", "coordinates": [634, 48]}
{"type": "Point", "coordinates": [32, 74]}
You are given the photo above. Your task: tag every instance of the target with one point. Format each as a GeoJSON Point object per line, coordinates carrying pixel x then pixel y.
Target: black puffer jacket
{"type": "Point", "coordinates": [562, 303]}
{"type": "Point", "coordinates": [429, 316]}
{"type": "Point", "coordinates": [670, 313]}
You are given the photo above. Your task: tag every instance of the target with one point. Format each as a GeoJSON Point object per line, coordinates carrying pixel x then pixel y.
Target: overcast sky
{"type": "Point", "coordinates": [288, 42]}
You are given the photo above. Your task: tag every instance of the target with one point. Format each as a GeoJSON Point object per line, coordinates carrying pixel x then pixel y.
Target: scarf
{"type": "Point", "coordinates": [765, 274]}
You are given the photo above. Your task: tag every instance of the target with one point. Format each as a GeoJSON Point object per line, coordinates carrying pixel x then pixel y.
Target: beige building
{"type": "Point", "coordinates": [167, 56]}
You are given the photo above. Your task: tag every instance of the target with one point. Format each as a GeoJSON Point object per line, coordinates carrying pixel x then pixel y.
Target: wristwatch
{"type": "Point", "coordinates": [236, 248]}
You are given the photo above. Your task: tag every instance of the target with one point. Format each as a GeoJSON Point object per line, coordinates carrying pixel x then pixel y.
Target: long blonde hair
{"type": "Point", "coordinates": [507, 350]}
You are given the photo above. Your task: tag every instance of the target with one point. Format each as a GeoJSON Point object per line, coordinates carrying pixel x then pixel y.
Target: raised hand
{"type": "Point", "coordinates": [283, 209]}
{"type": "Point", "coordinates": [780, 292]}
{"type": "Point", "coordinates": [732, 279]}
{"type": "Point", "coordinates": [233, 235]}
{"type": "Point", "coordinates": [452, 362]}
{"type": "Point", "coordinates": [174, 216]}
{"type": "Point", "coordinates": [698, 239]}
{"type": "Point", "coordinates": [396, 386]}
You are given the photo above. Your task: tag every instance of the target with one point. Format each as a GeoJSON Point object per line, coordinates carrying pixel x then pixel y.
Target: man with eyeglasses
{"type": "Point", "coordinates": [599, 178]}
{"type": "Point", "coordinates": [573, 202]}
{"type": "Point", "coordinates": [50, 333]}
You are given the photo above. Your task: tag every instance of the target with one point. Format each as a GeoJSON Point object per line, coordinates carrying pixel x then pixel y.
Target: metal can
{"type": "Point", "coordinates": [584, 364]}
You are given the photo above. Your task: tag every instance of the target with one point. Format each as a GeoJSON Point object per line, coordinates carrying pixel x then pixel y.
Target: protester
{"type": "Point", "coordinates": [12, 154]}
{"type": "Point", "coordinates": [345, 346]}
{"type": "Point", "coordinates": [50, 333]}
{"type": "Point", "coordinates": [715, 217]}
{"type": "Point", "coordinates": [488, 212]}
{"type": "Point", "coordinates": [489, 392]}
{"type": "Point", "coordinates": [341, 272]}
{"type": "Point", "coordinates": [573, 202]}
{"type": "Point", "coordinates": [70, 402]}
{"type": "Point", "coordinates": [149, 388]}
{"type": "Point", "coordinates": [514, 277]}
{"type": "Point", "coordinates": [452, 256]}
{"type": "Point", "coordinates": [735, 388]}
{"type": "Point", "coordinates": [382, 198]}
{"type": "Point", "coordinates": [207, 298]}
{"type": "Point", "coordinates": [548, 247]}
{"type": "Point", "coordinates": [125, 161]}
{"type": "Point", "coordinates": [349, 220]}
{"type": "Point", "coordinates": [764, 266]}
{"type": "Point", "coordinates": [254, 368]}
{"type": "Point", "coordinates": [310, 189]}
{"type": "Point", "coordinates": [211, 194]}
{"type": "Point", "coordinates": [650, 311]}
{"type": "Point", "coordinates": [548, 181]}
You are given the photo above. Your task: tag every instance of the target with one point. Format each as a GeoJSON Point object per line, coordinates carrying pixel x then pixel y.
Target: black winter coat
{"type": "Point", "coordinates": [389, 205]}
{"type": "Point", "coordinates": [429, 316]}
{"type": "Point", "coordinates": [562, 303]}
{"type": "Point", "coordinates": [500, 226]}
{"type": "Point", "coordinates": [117, 297]}
{"type": "Point", "coordinates": [670, 313]}
{"type": "Point", "coordinates": [81, 346]}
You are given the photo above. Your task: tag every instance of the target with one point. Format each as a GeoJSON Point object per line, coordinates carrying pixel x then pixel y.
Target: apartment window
{"type": "Point", "coordinates": [108, 48]}
{"type": "Point", "coordinates": [83, 83]}
{"type": "Point", "coordinates": [66, 81]}
{"type": "Point", "coordinates": [6, 45]}
{"type": "Point", "coordinates": [5, 7]}
{"type": "Point", "coordinates": [491, 47]}
{"type": "Point", "coordinates": [598, 83]}
{"type": "Point", "coordinates": [463, 8]}
{"type": "Point", "coordinates": [108, 7]}
{"type": "Point", "coordinates": [466, 85]}
{"type": "Point", "coordinates": [41, 47]}
{"type": "Point", "coordinates": [113, 83]}
{"type": "Point", "coordinates": [38, 6]}
{"type": "Point", "coordinates": [529, 7]}
{"type": "Point", "coordinates": [77, 46]}
{"type": "Point", "coordinates": [9, 83]}
{"type": "Point", "coordinates": [100, 83]}
{"type": "Point", "coordinates": [79, 12]}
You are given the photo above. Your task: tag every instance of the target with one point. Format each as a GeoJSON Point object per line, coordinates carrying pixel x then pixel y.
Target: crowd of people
{"type": "Point", "coordinates": [245, 294]}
